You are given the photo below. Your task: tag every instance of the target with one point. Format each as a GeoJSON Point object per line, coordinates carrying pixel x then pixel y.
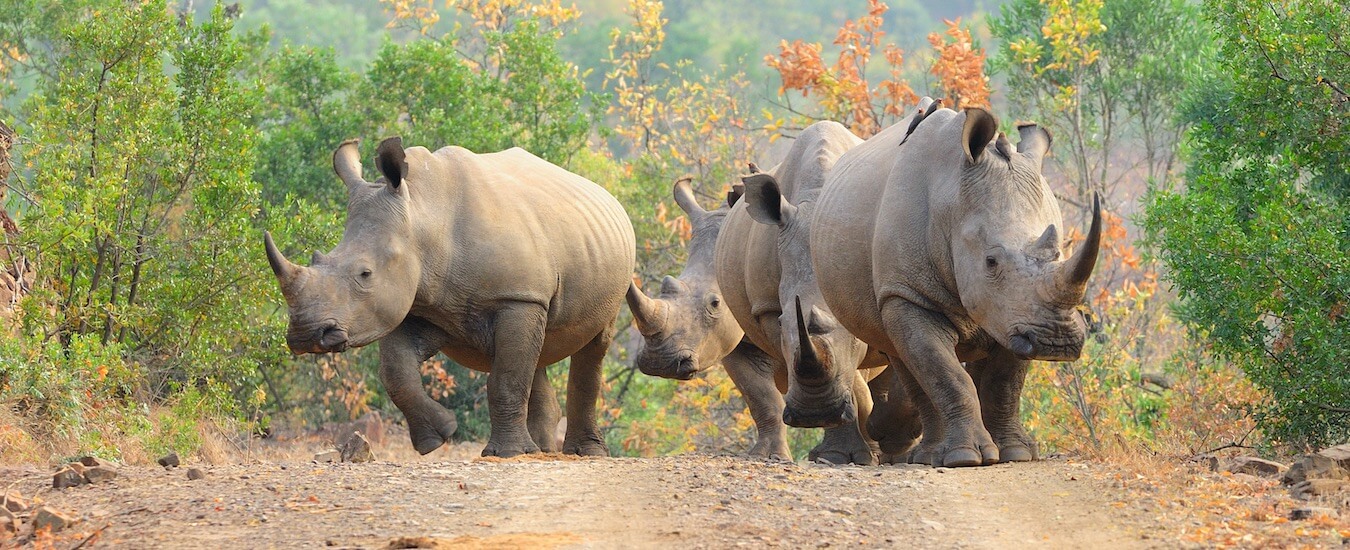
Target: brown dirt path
{"type": "Point", "coordinates": [690, 501]}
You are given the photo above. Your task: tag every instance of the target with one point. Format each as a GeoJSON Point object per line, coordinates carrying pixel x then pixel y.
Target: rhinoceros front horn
{"type": "Point", "coordinates": [808, 366]}
{"type": "Point", "coordinates": [1072, 277]}
{"type": "Point", "coordinates": [286, 272]}
{"type": "Point", "coordinates": [647, 313]}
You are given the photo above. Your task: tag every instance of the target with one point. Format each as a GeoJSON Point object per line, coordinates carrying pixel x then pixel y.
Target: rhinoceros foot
{"type": "Point", "coordinates": [771, 449]}
{"type": "Point", "coordinates": [844, 445]}
{"type": "Point", "coordinates": [586, 447]}
{"type": "Point", "coordinates": [431, 430]}
{"type": "Point", "coordinates": [1016, 454]}
{"type": "Point", "coordinates": [507, 447]}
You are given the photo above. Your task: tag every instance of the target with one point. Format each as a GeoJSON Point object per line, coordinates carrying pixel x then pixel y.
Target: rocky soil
{"type": "Point", "coordinates": [453, 499]}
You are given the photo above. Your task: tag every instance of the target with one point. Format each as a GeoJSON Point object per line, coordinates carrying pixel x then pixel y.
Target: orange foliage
{"type": "Point", "coordinates": [842, 89]}
{"type": "Point", "coordinates": [960, 66]}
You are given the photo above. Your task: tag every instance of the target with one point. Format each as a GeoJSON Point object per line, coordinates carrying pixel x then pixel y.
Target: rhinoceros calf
{"type": "Point", "coordinates": [502, 261]}
{"type": "Point", "coordinates": [947, 249]}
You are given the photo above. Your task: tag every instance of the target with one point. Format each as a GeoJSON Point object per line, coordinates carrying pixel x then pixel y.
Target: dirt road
{"type": "Point", "coordinates": [684, 502]}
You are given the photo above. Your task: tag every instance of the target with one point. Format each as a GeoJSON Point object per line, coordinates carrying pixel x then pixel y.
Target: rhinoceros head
{"type": "Point", "coordinates": [1014, 276]}
{"type": "Point", "coordinates": [363, 289]}
{"type": "Point", "coordinates": [823, 357]}
{"type": "Point", "coordinates": [687, 328]}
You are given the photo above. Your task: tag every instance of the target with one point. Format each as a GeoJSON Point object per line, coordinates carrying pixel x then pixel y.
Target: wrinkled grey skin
{"type": "Point", "coordinates": [764, 271]}
{"type": "Point", "coordinates": [948, 249]}
{"type": "Point", "coordinates": [688, 328]}
{"type": "Point", "coordinates": [823, 358]}
{"type": "Point", "coordinates": [502, 261]}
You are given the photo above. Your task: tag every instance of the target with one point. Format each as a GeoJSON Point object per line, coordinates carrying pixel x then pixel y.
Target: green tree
{"type": "Point", "coordinates": [142, 208]}
{"type": "Point", "coordinates": [1106, 76]}
{"type": "Point", "coordinates": [1258, 242]}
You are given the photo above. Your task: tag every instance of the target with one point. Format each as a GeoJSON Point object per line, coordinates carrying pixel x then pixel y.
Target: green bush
{"type": "Point", "coordinates": [1258, 242]}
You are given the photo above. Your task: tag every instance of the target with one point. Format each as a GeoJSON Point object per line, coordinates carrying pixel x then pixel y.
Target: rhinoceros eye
{"type": "Point", "coordinates": [991, 262]}
{"type": "Point", "coordinates": [365, 273]}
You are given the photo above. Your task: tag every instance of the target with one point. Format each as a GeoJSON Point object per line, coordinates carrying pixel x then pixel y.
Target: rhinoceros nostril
{"type": "Point", "coordinates": [332, 338]}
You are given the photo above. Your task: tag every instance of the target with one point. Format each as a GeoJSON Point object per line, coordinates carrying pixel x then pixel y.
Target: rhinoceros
{"type": "Point", "coordinates": [950, 248]}
{"type": "Point", "coordinates": [764, 270]}
{"type": "Point", "coordinates": [687, 329]}
{"type": "Point", "coordinates": [691, 326]}
{"type": "Point", "coordinates": [503, 261]}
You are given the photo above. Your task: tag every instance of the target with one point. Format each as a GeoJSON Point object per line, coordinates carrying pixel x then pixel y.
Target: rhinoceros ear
{"type": "Point", "coordinates": [389, 157]}
{"type": "Point", "coordinates": [734, 194]}
{"type": "Point", "coordinates": [1035, 142]}
{"type": "Point", "coordinates": [764, 201]}
{"type": "Point", "coordinates": [978, 131]}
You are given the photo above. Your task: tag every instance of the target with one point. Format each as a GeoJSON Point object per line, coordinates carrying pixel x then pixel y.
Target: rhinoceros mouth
{"type": "Point", "coordinates": [322, 337]}
{"type": "Point", "coordinates": [682, 368]}
{"type": "Point", "coordinates": [1047, 344]}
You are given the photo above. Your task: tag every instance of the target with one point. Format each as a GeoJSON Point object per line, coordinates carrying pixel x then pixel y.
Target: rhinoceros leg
{"type": "Point", "coordinates": [583, 390]}
{"type": "Point", "coordinates": [518, 336]}
{"type": "Point", "coordinates": [543, 413]}
{"type": "Point", "coordinates": [401, 352]}
{"type": "Point", "coordinates": [753, 373]}
{"type": "Point", "coordinates": [926, 343]}
{"type": "Point", "coordinates": [894, 422]}
{"type": "Point", "coordinates": [999, 378]}
{"type": "Point", "coordinates": [927, 451]}
{"type": "Point", "coordinates": [847, 443]}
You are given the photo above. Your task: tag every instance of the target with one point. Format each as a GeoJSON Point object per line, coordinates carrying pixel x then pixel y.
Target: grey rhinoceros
{"type": "Point", "coordinates": [503, 261]}
{"type": "Point", "coordinates": [949, 248]}
{"type": "Point", "coordinates": [687, 328]}
{"type": "Point", "coordinates": [734, 267]}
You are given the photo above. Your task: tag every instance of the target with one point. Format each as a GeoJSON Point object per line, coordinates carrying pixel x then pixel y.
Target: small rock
{"type": "Point", "coordinates": [195, 474]}
{"type": "Point", "coordinates": [1314, 466]}
{"type": "Point", "coordinates": [1318, 487]}
{"type": "Point", "coordinates": [8, 522]}
{"type": "Point", "coordinates": [168, 461]}
{"type": "Point", "coordinates": [14, 502]}
{"type": "Point", "coordinates": [1339, 453]}
{"type": "Point", "coordinates": [51, 518]}
{"type": "Point", "coordinates": [90, 461]}
{"type": "Point", "coordinates": [66, 477]}
{"type": "Point", "coordinates": [1309, 512]}
{"type": "Point", "coordinates": [933, 524]}
{"type": "Point", "coordinates": [100, 474]}
{"type": "Point", "coordinates": [327, 456]}
{"type": "Point", "coordinates": [356, 449]}
{"type": "Point", "coordinates": [1255, 466]}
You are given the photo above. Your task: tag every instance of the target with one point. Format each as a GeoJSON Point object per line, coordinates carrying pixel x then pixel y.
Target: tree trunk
{"type": "Point", "coordinates": [16, 274]}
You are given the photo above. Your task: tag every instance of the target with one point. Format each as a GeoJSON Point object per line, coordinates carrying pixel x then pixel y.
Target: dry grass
{"type": "Point", "coordinates": [1219, 509]}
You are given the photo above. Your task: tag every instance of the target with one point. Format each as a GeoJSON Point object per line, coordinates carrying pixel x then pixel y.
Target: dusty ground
{"type": "Point", "coordinates": [455, 500]}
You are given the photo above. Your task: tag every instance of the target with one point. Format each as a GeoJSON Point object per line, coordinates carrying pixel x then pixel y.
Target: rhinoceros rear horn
{"type": "Point", "coordinates": [390, 159]}
{"type": "Point", "coordinates": [978, 131]}
{"type": "Point", "coordinates": [684, 197]}
{"type": "Point", "coordinates": [1034, 142]}
{"type": "Point", "coordinates": [647, 313]}
{"type": "Point", "coordinates": [286, 272]}
{"type": "Point", "coordinates": [347, 165]}
{"type": "Point", "coordinates": [1072, 277]}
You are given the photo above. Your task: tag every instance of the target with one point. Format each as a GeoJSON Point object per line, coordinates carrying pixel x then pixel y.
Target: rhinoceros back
{"type": "Point", "coordinates": [517, 228]}
{"type": "Point", "coordinates": [856, 222]}
{"type": "Point", "coordinates": [748, 267]}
